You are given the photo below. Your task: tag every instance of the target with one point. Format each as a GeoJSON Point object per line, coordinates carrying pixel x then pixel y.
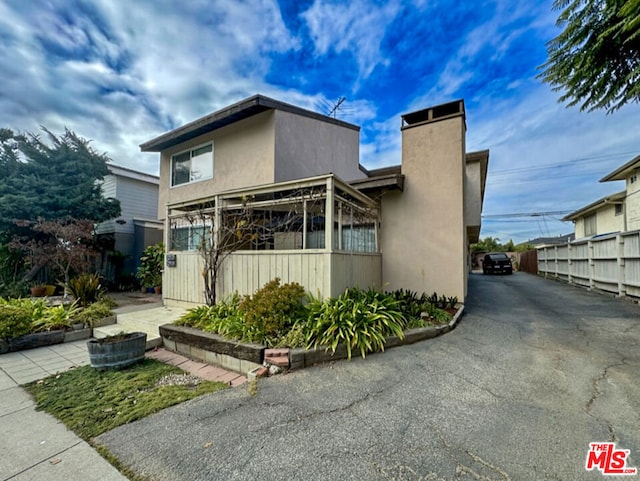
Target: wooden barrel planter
{"type": "Point", "coordinates": [117, 352]}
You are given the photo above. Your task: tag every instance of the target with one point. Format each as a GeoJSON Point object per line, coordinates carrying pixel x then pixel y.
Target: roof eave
{"type": "Point", "coordinates": [233, 113]}
{"type": "Point", "coordinates": [621, 173]}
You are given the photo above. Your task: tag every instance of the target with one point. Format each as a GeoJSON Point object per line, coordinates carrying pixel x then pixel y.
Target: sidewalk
{"type": "Point", "coordinates": [35, 445]}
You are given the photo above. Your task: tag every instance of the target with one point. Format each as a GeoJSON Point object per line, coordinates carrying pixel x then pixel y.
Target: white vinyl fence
{"type": "Point", "coordinates": [610, 263]}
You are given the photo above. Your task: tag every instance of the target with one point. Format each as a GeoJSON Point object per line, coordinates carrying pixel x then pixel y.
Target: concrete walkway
{"type": "Point", "coordinates": [35, 445]}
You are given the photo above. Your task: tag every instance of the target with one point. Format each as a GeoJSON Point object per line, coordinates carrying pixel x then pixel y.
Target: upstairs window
{"type": "Point", "coordinates": [192, 165]}
{"type": "Point", "coordinates": [618, 209]}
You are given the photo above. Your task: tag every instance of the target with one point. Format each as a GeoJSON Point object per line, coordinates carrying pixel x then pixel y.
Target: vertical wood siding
{"type": "Point", "coordinates": [320, 273]}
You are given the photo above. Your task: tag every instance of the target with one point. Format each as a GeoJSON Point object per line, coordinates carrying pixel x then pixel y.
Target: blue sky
{"type": "Point", "coordinates": [121, 73]}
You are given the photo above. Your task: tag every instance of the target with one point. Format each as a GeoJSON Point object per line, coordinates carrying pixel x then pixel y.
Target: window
{"type": "Point", "coordinates": [188, 238]}
{"type": "Point", "coordinates": [633, 179]}
{"type": "Point", "coordinates": [618, 209]}
{"type": "Point", "coordinates": [192, 165]}
{"type": "Point", "coordinates": [590, 227]}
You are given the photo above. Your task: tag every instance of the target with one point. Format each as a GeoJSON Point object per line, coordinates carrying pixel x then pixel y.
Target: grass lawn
{"type": "Point", "coordinates": [91, 402]}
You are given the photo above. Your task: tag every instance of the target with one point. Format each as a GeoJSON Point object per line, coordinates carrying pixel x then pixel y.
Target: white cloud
{"type": "Point", "coordinates": [356, 27]}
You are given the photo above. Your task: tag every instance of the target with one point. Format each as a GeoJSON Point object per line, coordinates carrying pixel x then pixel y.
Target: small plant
{"type": "Point", "coordinates": [411, 304]}
{"type": "Point", "coordinates": [85, 288]}
{"type": "Point", "coordinates": [252, 387]}
{"type": "Point", "coordinates": [360, 319]}
{"type": "Point", "coordinates": [452, 301]}
{"type": "Point", "coordinates": [58, 317]}
{"type": "Point", "coordinates": [223, 318]}
{"type": "Point", "coordinates": [149, 272]}
{"type": "Point", "coordinates": [92, 313]}
{"type": "Point", "coordinates": [272, 310]}
{"type": "Point", "coordinates": [295, 337]}
{"type": "Point", "coordinates": [437, 315]}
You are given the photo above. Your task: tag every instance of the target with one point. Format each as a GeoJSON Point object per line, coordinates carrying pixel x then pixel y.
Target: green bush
{"type": "Point", "coordinates": [14, 321]}
{"type": "Point", "coordinates": [24, 316]}
{"type": "Point", "coordinates": [272, 310]}
{"type": "Point", "coordinates": [295, 337]}
{"type": "Point", "coordinates": [436, 315]}
{"type": "Point", "coordinates": [223, 318]}
{"type": "Point", "coordinates": [93, 312]}
{"type": "Point", "coordinates": [58, 317]}
{"type": "Point", "coordinates": [360, 319]}
{"type": "Point", "coordinates": [85, 288]}
{"type": "Point", "coordinates": [149, 272]}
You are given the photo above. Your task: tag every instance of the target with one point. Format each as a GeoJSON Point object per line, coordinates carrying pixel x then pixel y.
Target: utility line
{"type": "Point", "coordinates": [566, 163]}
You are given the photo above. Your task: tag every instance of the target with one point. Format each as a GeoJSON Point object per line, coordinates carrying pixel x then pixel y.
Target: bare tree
{"type": "Point", "coordinates": [65, 243]}
{"type": "Point", "coordinates": [247, 223]}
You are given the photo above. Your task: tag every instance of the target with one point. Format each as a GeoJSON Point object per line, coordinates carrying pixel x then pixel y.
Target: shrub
{"type": "Point", "coordinates": [410, 304]}
{"type": "Point", "coordinates": [360, 319]}
{"type": "Point", "coordinates": [437, 315]}
{"type": "Point", "coordinates": [272, 310]}
{"type": "Point", "coordinates": [151, 264]}
{"type": "Point", "coordinates": [295, 337]}
{"type": "Point", "coordinates": [85, 288]}
{"type": "Point", "coordinates": [58, 317]}
{"type": "Point", "coordinates": [90, 314]}
{"type": "Point", "coordinates": [14, 321]}
{"type": "Point", "coordinates": [223, 318]}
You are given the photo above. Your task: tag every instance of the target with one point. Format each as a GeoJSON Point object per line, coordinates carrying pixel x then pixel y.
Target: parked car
{"type": "Point", "coordinates": [497, 262]}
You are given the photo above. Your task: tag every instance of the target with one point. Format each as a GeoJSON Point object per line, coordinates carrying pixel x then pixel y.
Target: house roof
{"type": "Point", "coordinates": [132, 174]}
{"type": "Point", "coordinates": [228, 115]}
{"type": "Point", "coordinates": [617, 198]}
{"type": "Point", "coordinates": [621, 173]}
{"type": "Point", "coordinates": [561, 239]}
{"type": "Point", "coordinates": [387, 178]}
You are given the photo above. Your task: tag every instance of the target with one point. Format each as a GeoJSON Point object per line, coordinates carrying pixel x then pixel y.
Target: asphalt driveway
{"type": "Point", "coordinates": [534, 372]}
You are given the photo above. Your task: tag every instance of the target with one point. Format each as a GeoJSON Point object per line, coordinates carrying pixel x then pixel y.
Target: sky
{"type": "Point", "coordinates": [123, 72]}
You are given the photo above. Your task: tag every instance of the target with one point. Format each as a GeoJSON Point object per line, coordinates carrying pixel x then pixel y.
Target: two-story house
{"type": "Point", "coordinates": [619, 212]}
{"type": "Point", "coordinates": [123, 239]}
{"type": "Point", "coordinates": [318, 217]}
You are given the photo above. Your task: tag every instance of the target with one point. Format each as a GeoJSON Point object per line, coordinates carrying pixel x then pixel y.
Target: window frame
{"type": "Point", "coordinates": [191, 150]}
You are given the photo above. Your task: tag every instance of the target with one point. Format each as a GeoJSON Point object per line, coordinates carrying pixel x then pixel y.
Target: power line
{"type": "Point", "coordinates": [566, 163]}
{"type": "Point", "coordinates": [525, 214]}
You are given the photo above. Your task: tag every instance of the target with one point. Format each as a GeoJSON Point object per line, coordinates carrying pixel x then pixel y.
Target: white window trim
{"type": "Point", "coordinates": [190, 149]}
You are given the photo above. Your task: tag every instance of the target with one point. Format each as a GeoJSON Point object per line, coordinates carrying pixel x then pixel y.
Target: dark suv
{"type": "Point", "coordinates": [497, 262]}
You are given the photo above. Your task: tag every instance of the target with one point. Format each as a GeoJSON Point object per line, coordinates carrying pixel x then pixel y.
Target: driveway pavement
{"type": "Point", "coordinates": [534, 372]}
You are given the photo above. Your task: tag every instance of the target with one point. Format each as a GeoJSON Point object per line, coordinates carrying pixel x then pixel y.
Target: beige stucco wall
{"type": "Point", "coordinates": [244, 155]}
{"type": "Point", "coordinates": [306, 147]}
{"type": "Point", "coordinates": [473, 194]}
{"type": "Point", "coordinates": [423, 238]}
{"type": "Point", "coordinates": [606, 222]}
{"type": "Point", "coordinates": [633, 203]}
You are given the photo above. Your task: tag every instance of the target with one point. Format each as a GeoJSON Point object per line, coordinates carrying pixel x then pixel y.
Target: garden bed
{"type": "Point", "coordinates": [42, 339]}
{"type": "Point", "coordinates": [50, 338]}
{"type": "Point", "coordinates": [242, 357]}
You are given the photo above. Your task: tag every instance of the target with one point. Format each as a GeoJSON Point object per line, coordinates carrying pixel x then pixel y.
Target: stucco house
{"type": "Point", "coordinates": [321, 218]}
{"type": "Point", "coordinates": [619, 212]}
{"type": "Point", "coordinates": [123, 239]}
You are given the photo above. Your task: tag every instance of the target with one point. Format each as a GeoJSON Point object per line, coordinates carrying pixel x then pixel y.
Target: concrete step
{"type": "Point", "coordinates": [147, 320]}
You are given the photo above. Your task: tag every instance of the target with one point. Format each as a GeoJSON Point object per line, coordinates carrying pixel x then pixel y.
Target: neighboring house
{"type": "Point", "coordinates": [137, 227]}
{"type": "Point", "coordinates": [543, 241]}
{"type": "Point", "coordinates": [331, 223]}
{"type": "Point", "coordinates": [619, 212]}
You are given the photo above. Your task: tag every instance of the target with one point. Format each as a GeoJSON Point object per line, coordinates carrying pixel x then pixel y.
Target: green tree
{"type": "Point", "coordinates": [58, 179]}
{"type": "Point", "coordinates": [595, 61]}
